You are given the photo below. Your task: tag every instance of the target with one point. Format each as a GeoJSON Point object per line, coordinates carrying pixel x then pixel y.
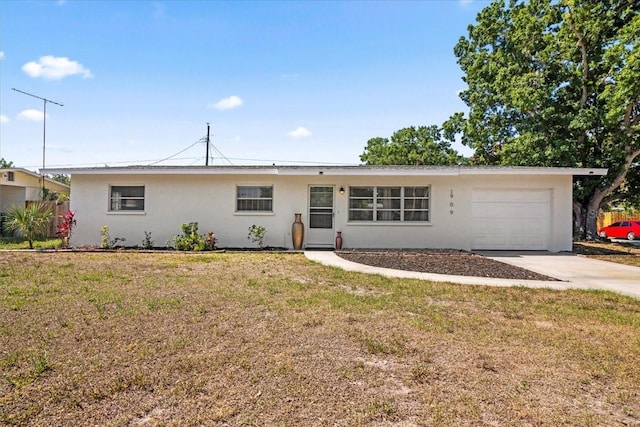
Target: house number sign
{"type": "Point", "coordinates": [451, 202]}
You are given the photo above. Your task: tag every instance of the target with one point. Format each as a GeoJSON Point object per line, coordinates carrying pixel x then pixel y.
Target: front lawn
{"type": "Point", "coordinates": [273, 339]}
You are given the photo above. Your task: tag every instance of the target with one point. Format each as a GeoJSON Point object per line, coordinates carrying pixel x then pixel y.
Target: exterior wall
{"type": "Point", "coordinates": [171, 200]}
{"type": "Point", "coordinates": [10, 195]}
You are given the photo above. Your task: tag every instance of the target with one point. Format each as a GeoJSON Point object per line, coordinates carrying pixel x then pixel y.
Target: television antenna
{"type": "Point", "coordinates": [44, 128]}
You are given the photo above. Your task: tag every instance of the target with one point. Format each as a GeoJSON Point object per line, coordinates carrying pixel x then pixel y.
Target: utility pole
{"type": "Point", "coordinates": [44, 129]}
{"type": "Point", "coordinates": [206, 162]}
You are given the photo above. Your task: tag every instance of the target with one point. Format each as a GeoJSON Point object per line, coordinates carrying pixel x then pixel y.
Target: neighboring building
{"type": "Point", "coordinates": [19, 186]}
{"type": "Point", "coordinates": [500, 208]}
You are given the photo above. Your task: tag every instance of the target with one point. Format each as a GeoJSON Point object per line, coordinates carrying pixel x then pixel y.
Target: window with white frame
{"type": "Point", "coordinates": [126, 198]}
{"type": "Point", "coordinates": [254, 198]}
{"type": "Point", "coordinates": [389, 204]}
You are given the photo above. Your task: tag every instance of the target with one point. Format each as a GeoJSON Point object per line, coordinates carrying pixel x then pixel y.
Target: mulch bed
{"type": "Point", "coordinates": [453, 262]}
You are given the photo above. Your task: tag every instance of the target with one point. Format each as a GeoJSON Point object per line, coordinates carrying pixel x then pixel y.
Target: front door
{"type": "Point", "coordinates": [320, 230]}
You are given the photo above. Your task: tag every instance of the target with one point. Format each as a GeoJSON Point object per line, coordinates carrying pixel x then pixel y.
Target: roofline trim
{"type": "Point", "coordinates": [330, 170]}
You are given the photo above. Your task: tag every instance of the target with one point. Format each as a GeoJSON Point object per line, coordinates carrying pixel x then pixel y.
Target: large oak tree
{"type": "Point", "coordinates": [422, 145]}
{"type": "Point", "coordinates": [557, 83]}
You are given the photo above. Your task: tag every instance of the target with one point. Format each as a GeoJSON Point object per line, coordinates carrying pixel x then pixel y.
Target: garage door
{"type": "Point", "coordinates": [511, 219]}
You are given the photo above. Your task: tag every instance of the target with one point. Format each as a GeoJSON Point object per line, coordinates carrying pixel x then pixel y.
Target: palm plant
{"type": "Point", "coordinates": [31, 221]}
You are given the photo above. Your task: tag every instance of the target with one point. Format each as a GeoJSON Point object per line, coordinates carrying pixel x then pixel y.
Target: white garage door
{"type": "Point", "coordinates": [511, 219]}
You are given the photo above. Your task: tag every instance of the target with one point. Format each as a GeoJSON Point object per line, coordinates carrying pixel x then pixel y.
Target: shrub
{"type": "Point", "coordinates": [32, 221]}
{"type": "Point", "coordinates": [64, 230]}
{"type": "Point", "coordinates": [210, 241]}
{"type": "Point", "coordinates": [257, 234]}
{"type": "Point", "coordinates": [106, 241]}
{"type": "Point", "coordinates": [190, 240]}
{"type": "Point", "coordinates": [147, 242]}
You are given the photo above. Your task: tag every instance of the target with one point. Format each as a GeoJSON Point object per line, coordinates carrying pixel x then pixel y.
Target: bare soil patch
{"type": "Point", "coordinates": [453, 262]}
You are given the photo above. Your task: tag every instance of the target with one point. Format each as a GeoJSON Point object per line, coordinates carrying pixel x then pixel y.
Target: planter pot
{"type": "Point", "coordinates": [297, 232]}
{"type": "Point", "coordinates": [339, 240]}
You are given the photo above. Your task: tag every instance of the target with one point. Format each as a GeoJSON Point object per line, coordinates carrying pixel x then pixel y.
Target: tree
{"type": "Point", "coordinates": [557, 83]}
{"type": "Point", "coordinates": [60, 177]}
{"type": "Point", "coordinates": [412, 146]}
{"type": "Point", "coordinates": [5, 163]}
{"type": "Point", "coordinates": [31, 221]}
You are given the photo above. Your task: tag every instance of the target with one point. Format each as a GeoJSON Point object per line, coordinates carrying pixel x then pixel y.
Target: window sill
{"type": "Point", "coordinates": [126, 212]}
{"type": "Point", "coordinates": [249, 213]}
{"type": "Point", "coordinates": [389, 223]}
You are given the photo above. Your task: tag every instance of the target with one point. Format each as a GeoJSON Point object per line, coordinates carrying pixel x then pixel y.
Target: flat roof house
{"type": "Point", "coordinates": [461, 207]}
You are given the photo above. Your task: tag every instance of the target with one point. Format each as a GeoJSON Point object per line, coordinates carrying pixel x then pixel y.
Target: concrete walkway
{"type": "Point", "coordinates": [573, 271]}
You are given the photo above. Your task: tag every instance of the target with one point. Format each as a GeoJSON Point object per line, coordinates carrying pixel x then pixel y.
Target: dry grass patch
{"type": "Point", "coordinates": [621, 253]}
{"type": "Point", "coordinates": [264, 339]}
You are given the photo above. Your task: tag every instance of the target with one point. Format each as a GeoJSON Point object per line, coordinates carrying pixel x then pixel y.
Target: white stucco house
{"type": "Point", "coordinates": [471, 208]}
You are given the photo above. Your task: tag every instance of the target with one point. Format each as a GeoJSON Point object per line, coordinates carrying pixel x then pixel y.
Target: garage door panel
{"type": "Point", "coordinates": [500, 196]}
{"type": "Point", "coordinates": [510, 210]}
{"type": "Point", "coordinates": [511, 219]}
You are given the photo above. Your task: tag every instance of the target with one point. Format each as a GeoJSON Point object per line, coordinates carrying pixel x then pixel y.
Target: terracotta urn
{"type": "Point", "coordinates": [339, 240]}
{"type": "Point", "coordinates": [297, 232]}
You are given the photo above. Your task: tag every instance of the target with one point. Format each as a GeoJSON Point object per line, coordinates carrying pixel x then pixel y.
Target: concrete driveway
{"type": "Point", "coordinates": [575, 270]}
{"type": "Point", "coordinates": [572, 271]}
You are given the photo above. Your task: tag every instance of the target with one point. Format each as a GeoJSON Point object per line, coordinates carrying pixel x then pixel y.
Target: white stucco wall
{"type": "Point", "coordinates": [171, 200]}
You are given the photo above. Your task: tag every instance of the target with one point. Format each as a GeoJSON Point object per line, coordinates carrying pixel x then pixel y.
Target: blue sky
{"type": "Point", "coordinates": [279, 82]}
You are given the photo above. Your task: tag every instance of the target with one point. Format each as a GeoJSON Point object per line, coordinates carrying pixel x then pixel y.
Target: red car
{"type": "Point", "coordinates": [621, 230]}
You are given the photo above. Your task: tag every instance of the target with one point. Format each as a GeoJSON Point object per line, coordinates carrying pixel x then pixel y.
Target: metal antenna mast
{"type": "Point", "coordinates": [206, 162]}
{"type": "Point", "coordinates": [44, 129]}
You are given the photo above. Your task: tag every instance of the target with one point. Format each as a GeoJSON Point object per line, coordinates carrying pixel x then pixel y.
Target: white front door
{"type": "Point", "coordinates": [320, 229]}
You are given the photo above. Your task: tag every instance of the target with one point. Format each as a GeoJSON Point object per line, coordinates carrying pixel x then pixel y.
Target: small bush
{"type": "Point", "coordinates": [190, 240]}
{"type": "Point", "coordinates": [257, 234]}
{"type": "Point", "coordinates": [65, 229]}
{"type": "Point", "coordinates": [147, 242]}
{"type": "Point", "coordinates": [106, 241]}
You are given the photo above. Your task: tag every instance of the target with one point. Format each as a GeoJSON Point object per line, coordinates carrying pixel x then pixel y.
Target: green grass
{"type": "Point", "coordinates": [273, 339]}
{"type": "Point", "coordinates": [18, 243]}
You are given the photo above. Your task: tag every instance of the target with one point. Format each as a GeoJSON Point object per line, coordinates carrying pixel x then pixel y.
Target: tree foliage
{"type": "Point", "coordinates": [423, 145]}
{"type": "Point", "coordinates": [557, 83]}
{"type": "Point", "coordinates": [5, 163]}
{"type": "Point", "coordinates": [60, 177]}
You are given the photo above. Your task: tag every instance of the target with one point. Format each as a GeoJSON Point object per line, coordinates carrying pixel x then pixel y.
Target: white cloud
{"type": "Point", "coordinates": [55, 68]}
{"type": "Point", "coordinates": [227, 103]}
{"type": "Point", "coordinates": [299, 132]}
{"type": "Point", "coordinates": [31, 115]}
{"type": "Point", "coordinates": [4, 119]}
{"type": "Point", "coordinates": [1, 54]}
{"type": "Point", "coordinates": [465, 3]}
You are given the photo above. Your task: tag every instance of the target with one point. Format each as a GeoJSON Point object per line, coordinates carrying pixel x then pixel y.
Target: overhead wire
{"type": "Point", "coordinates": [179, 152]}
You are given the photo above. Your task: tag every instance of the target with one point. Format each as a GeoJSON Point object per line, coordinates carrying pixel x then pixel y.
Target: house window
{"type": "Point", "coordinates": [11, 176]}
{"type": "Point", "coordinates": [126, 198]}
{"type": "Point", "coordinates": [254, 198]}
{"type": "Point", "coordinates": [389, 204]}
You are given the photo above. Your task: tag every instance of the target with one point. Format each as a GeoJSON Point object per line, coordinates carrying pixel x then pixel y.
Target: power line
{"type": "Point", "coordinates": [179, 152]}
